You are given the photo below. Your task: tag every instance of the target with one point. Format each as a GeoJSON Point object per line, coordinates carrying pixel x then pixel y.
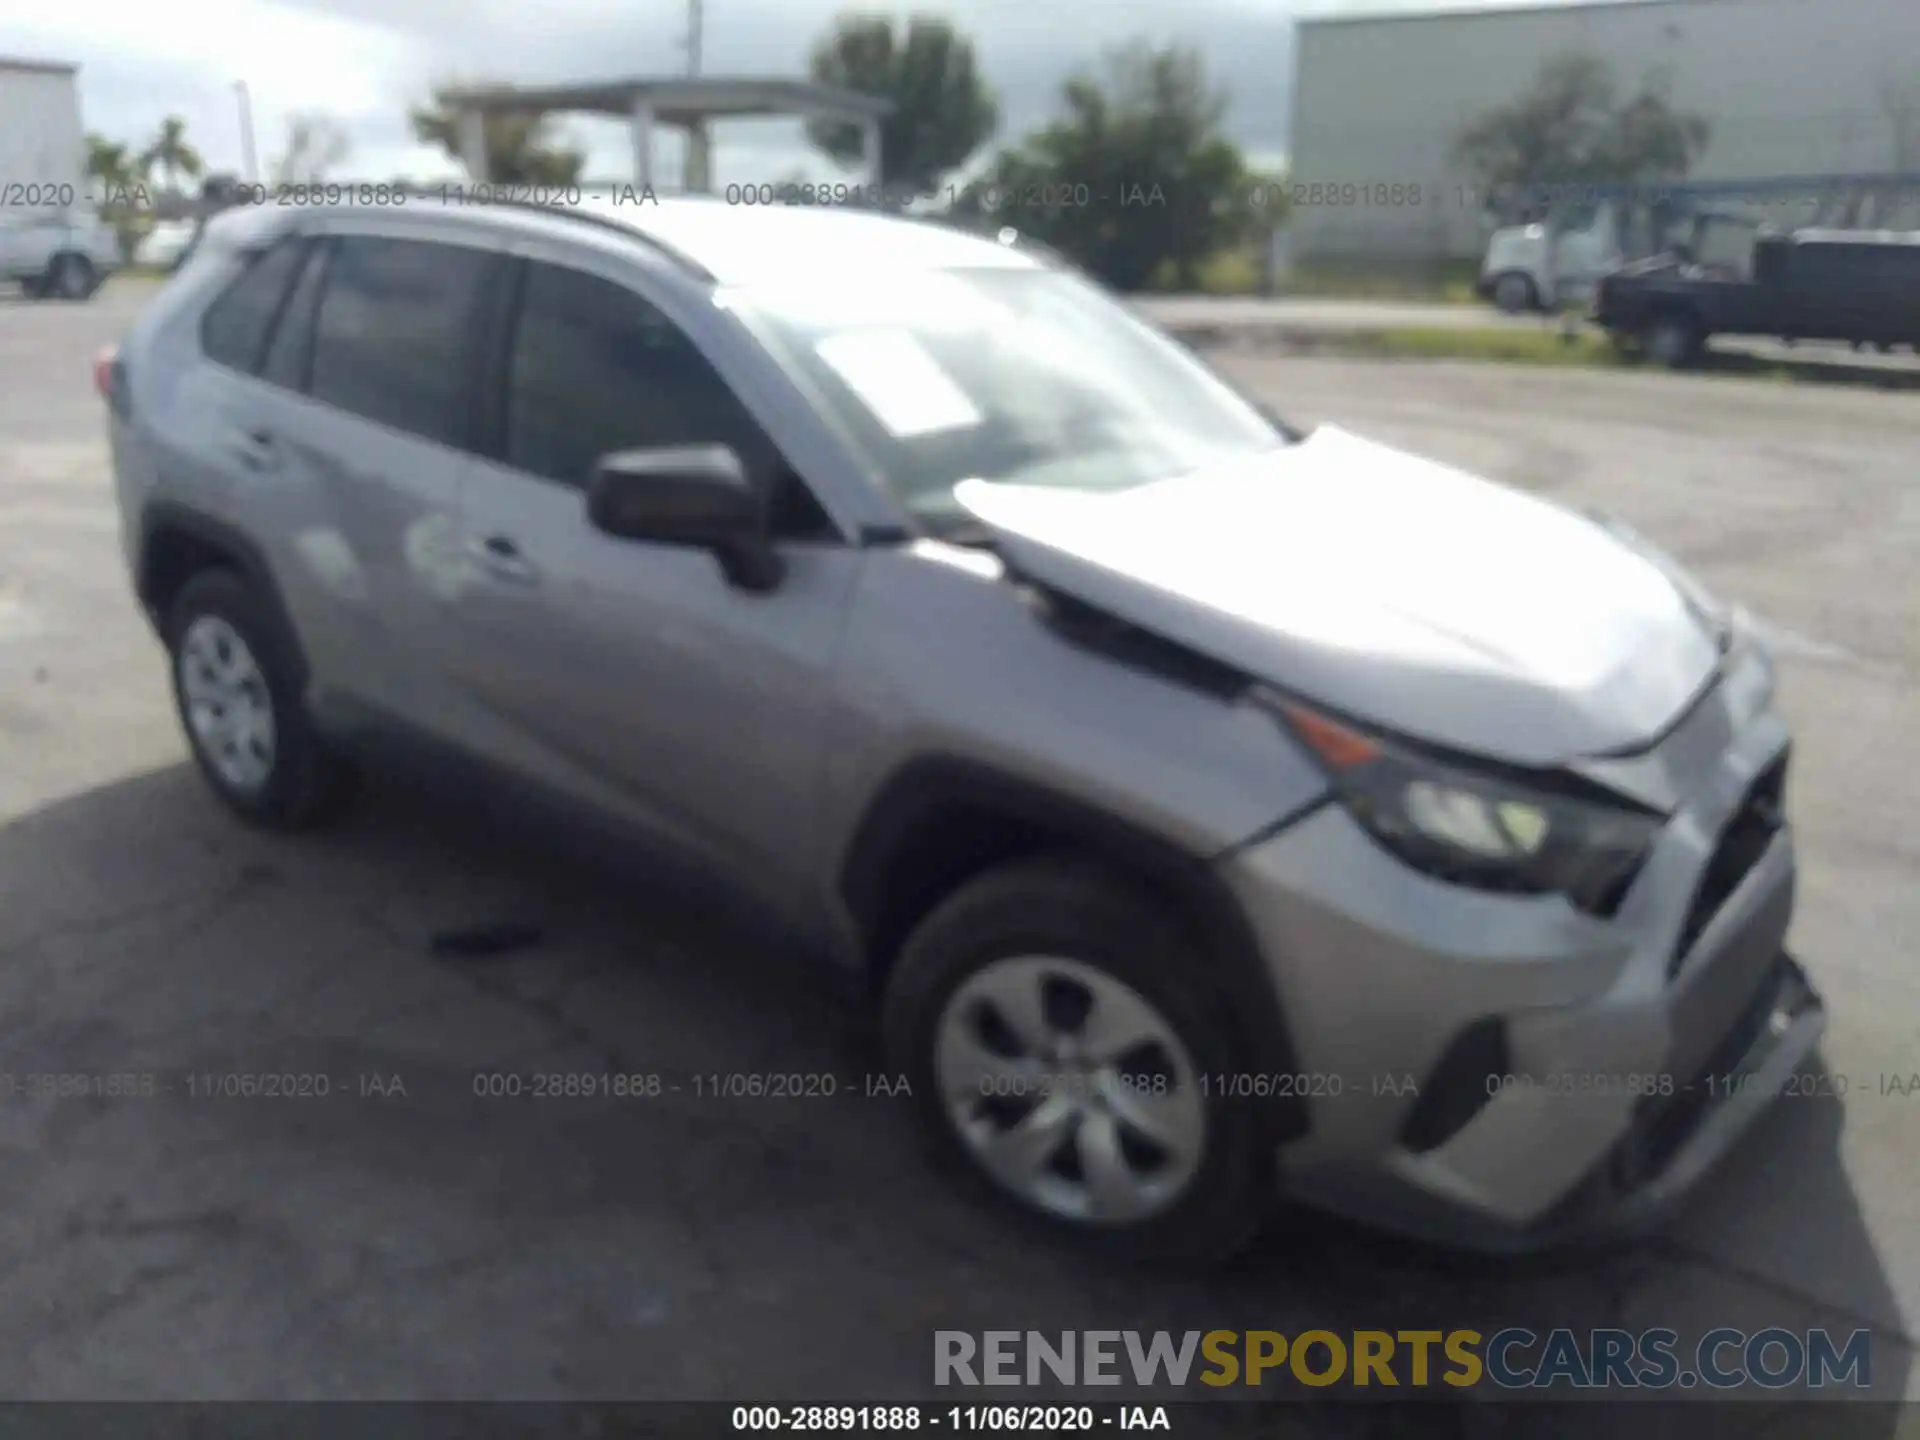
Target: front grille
{"type": "Point", "coordinates": [1744, 840]}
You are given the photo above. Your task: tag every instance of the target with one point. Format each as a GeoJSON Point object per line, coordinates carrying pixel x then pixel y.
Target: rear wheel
{"type": "Point", "coordinates": [1673, 341]}
{"type": "Point", "coordinates": [1064, 1049]}
{"type": "Point", "coordinates": [70, 277]}
{"type": "Point", "coordinates": [240, 706]}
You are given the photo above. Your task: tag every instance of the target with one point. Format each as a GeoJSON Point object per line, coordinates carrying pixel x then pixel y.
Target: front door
{"type": "Point", "coordinates": [1586, 246]}
{"type": "Point", "coordinates": [634, 674]}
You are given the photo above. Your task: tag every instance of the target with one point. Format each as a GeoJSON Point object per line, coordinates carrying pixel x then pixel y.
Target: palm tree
{"type": "Point", "coordinates": [521, 149]}
{"type": "Point", "coordinates": [111, 164]}
{"type": "Point", "coordinates": [171, 154]}
{"type": "Point", "coordinates": [114, 166]}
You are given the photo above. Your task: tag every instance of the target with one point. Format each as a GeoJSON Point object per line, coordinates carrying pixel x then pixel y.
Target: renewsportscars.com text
{"type": "Point", "coordinates": [1514, 1358]}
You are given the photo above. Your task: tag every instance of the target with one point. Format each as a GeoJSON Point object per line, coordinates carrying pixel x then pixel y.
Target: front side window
{"type": "Point", "coordinates": [595, 368]}
{"type": "Point", "coordinates": [234, 330]}
{"type": "Point", "coordinates": [395, 330]}
{"type": "Point", "coordinates": [1019, 376]}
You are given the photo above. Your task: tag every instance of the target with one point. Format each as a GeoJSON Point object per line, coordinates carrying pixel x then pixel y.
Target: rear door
{"type": "Point", "coordinates": [635, 673]}
{"type": "Point", "coordinates": [375, 360]}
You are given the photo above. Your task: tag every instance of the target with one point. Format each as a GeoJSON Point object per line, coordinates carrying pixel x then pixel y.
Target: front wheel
{"type": "Point", "coordinates": [1515, 294]}
{"type": "Point", "coordinates": [1064, 1049]}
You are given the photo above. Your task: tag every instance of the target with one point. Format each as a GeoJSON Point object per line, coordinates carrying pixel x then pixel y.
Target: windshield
{"type": "Point", "coordinates": [1016, 376]}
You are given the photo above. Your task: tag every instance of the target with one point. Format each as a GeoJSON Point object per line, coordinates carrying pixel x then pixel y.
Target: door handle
{"type": "Point", "coordinates": [500, 557]}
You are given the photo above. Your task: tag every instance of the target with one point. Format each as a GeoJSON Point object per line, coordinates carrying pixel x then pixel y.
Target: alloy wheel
{"type": "Point", "coordinates": [1070, 1089]}
{"type": "Point", "coordinates": [229, 707]}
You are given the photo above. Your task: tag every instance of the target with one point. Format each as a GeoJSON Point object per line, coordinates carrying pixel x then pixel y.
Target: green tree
{"type": "Point", "coordinates": [520, 149]}
{"type": "Point", "coordinates": [1135, 179]}
{"type": "Point", "coordinates": [942, 111]}
{"type": "Point", "coordinates": [112, 164]}
{"type": "Point", "coordinates": [171, 155]}
{"type": "Point", "coordinates": [1574, 127]}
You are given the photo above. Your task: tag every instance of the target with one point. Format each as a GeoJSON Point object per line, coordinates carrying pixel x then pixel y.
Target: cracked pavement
{"type": "Point", "coordinates": [404, 1237]}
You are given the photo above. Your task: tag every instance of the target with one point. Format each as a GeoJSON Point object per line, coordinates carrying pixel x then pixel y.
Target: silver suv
{"type": "Point", "coordinates": [1210, 810]}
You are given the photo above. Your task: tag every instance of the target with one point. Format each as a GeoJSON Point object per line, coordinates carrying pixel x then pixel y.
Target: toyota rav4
{"type": "Point", "coordinates": [1211, 810]}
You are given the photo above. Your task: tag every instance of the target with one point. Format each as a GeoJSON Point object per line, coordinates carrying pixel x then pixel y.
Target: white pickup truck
{"type": "Point", "coordinates": [60, 254]}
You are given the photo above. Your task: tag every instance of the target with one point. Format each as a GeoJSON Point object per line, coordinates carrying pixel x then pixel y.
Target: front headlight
{"type": "Point", "coordinates": [1470, 828]}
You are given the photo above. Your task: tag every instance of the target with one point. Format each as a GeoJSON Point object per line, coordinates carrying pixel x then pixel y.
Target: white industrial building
{"type": "Point", "coordinates": [1790, 87]}
{"type": "Point", "coordinates": [42, 144]}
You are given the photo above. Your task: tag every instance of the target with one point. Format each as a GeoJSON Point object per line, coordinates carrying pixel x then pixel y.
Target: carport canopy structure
{"type": "Point", "coordinates": [688, 103]}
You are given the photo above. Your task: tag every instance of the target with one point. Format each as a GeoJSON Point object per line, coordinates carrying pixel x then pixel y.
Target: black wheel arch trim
{"type": "Point", "coordinates": [245, 555]}
{"type": "Point", "coordinates": [922, 788]}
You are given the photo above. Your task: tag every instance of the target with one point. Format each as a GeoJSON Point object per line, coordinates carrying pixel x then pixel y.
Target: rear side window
{"type": "Point", "coordinates": [291, 347]}
{"type": "Point", "coordinates": [234, 330]}
{"type": "Point", "coordinates": [395, 330]}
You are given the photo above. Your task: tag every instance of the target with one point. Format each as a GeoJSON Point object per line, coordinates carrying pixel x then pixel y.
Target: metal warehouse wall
{"type": "Point", "coordinates": [1792, 87]}
{"type": "Point", "coordinates": [41, 140]}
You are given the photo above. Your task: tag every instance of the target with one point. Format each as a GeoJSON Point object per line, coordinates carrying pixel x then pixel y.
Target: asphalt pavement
{"type": "Point", "coordinates": [410, 1236]}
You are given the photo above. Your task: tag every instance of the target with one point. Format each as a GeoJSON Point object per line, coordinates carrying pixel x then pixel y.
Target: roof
{"type": "Point", "coordinates": [752, 244]}
{"type": "Point", "coordinates": [38, 67]}
{"type": "Point", "coordinates": [1492, 11]}
{"type": "Point", "coordinates": [730, 244]}
{"type": "Point", "coordinates": [678, 100]}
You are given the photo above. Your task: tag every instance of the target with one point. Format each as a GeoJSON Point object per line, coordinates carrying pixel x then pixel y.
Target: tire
{"type": "Point", "coordinates": [290, 782]}
{"type": "Point", "coordinates": [1515, 294]}
{"type": "Point", "coordinates": [71, 277]}
{"type": "Point", "coordinates": [1202, 1199]}
{"type": "Point", "coordinates": [33, 288]}
{"type": "Point", "coordinates": [1674, 341]}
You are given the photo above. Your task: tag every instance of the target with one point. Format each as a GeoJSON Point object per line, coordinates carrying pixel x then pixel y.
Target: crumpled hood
{"type": "Point", "coordinates": [1393, 588]}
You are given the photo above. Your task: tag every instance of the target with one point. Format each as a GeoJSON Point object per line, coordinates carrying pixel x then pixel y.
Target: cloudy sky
{"type": "Point", "coordinates": [362, 62]}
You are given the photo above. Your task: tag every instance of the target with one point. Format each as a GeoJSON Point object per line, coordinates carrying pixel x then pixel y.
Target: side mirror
{"type": "Point", "coordinates": [694, 495]}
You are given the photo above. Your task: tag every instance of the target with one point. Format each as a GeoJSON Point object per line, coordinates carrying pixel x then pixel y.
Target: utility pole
{"type": "Point", "coordinates": [247, 156]}
{"type": "Point", "coordinates": [694, 18]}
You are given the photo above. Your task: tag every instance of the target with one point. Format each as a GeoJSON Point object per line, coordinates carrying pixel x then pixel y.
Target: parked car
{"type": "Point", "coordinates": [62, 254]}
{"type": "Point", "coordinates": [1196, 800]}
{"type": "Point", "coordinates": [1849, 285]}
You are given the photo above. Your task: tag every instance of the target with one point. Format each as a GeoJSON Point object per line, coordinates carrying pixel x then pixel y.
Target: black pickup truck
{"type": "Point", "coordinates": [1861, 286]}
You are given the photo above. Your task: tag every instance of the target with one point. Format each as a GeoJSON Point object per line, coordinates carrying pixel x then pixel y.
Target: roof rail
{"type": "Point", "coordinates": [573, 213]}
